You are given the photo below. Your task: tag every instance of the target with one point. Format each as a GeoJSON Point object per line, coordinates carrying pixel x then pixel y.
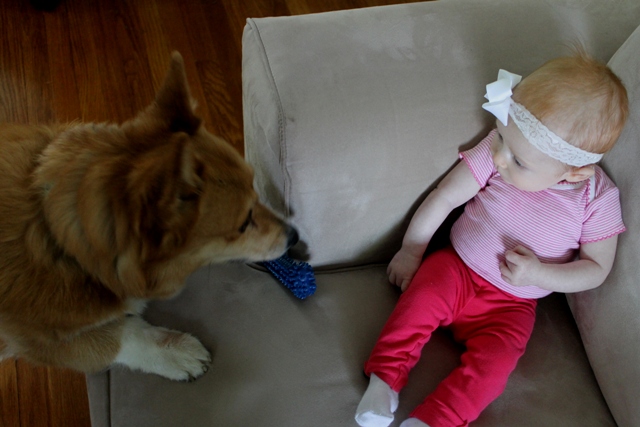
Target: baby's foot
{"type": "Point", "coordinates": [378, 404]}
{"type": "Point", "coordinates": [413, 422]}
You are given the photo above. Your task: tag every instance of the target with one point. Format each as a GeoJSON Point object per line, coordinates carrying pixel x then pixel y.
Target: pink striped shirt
{"type": "Point", "coordinates": [553, 223]}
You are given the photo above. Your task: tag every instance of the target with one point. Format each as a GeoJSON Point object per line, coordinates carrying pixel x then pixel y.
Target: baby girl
{"type": "Point", "coordinates": [541, 217]}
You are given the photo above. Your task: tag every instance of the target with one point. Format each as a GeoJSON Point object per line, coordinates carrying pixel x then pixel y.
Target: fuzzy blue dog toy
{"type": "Point", "coordinates": [297, 276]}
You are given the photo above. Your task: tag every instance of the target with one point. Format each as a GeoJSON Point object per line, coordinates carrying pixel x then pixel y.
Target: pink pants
{"type": "Point", "coordinates": [493, 325]}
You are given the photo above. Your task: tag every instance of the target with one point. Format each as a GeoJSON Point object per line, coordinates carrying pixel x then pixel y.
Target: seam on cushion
{"type": "Point", "coordinates": [281, 121]}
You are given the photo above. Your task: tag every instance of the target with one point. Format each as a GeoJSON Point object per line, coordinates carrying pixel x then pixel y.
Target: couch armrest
{"type": "Point", "coordinates": [264, 119]}
{"type": "Point", "coordinates": [608, 317]}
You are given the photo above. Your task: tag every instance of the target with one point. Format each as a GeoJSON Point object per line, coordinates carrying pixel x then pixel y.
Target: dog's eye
{"type": "Point", "coordinates": [247, 223]}
{"type": "Point", "coordinates": [189, 197]}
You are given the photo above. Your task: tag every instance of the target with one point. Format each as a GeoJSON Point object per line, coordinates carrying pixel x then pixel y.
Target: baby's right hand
{"type": "Point", "coordinates": [402, 268]}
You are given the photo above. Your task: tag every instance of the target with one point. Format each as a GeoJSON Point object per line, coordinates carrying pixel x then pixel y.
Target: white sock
{"type": "Point", "coordinates": [378, 404]}
{"type": "Point", "coordinates": [413, 422]}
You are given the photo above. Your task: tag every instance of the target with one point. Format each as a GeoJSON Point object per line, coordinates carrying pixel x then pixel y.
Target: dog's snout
{"type": "Point", "coordinates": [292, 236]}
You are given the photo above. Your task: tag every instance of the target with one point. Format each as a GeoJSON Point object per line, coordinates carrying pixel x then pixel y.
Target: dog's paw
{"type": "Point", "coordinates": [171, 354]}
{"type": "Point", "coordinates": [183, 357]}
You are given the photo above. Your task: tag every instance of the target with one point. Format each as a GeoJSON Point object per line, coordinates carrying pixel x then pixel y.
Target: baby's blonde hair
{"type": "Point", "coordinates": [578, 98]}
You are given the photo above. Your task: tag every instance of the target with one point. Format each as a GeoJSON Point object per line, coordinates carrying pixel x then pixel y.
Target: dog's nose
{"type": "Point", "coordinates": [292, 236]}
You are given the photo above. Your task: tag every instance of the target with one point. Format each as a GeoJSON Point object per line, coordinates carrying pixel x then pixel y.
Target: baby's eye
{"type": "Point", "coordinates": [517, 162]}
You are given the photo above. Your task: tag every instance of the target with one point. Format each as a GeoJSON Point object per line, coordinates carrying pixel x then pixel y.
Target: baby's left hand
{"type": "Point", "coordinates": [521, 267]}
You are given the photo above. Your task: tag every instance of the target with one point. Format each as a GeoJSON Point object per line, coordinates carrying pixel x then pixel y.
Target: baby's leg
{"type": "Point", "coordinates": [440, 285]}
{"type": "Point", "coordinates": [495, 341]}
{"type": "Point", "coordinates": [439, 289]}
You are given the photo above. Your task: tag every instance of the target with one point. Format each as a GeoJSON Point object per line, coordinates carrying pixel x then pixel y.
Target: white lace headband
{"type": "Point", "coordinates": [502, 106]}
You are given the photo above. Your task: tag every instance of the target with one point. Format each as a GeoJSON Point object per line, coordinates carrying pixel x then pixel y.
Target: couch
{"type": "Point", "coordinates": [350, 118]}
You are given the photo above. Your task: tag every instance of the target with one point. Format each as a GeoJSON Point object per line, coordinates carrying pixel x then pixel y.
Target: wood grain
{"type": "Point", "coordinates": [9, 403]}
{"type": "Point", "coordinates": [101, 61]}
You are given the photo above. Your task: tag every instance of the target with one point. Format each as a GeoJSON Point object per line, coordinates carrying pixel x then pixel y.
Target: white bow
{"type": "Point", "coordinates": [499, 95]}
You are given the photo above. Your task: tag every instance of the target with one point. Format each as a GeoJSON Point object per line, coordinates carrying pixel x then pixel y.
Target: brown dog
{"type": "Point", "coordinates": [96, 218]}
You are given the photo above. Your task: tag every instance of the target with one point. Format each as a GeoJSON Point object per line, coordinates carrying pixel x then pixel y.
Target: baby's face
{"type": "Point", "coordinates": [521, 164]}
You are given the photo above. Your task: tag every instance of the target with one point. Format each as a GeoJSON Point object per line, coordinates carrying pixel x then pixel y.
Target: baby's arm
{"type": "Point", "coordinates": [522, 268]}
{"type": "Point", "coordinates": [456, 188]}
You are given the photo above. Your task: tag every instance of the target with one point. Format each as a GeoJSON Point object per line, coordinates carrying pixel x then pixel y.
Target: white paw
{"type": "Point", "coordinates": [182, 357]}
{"type": "Point", "coordinates": [171, 354]}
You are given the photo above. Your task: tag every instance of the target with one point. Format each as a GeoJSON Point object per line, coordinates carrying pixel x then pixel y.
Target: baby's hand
{"type": "Point", "coordinates": [521, 267]}
{"type": "Point", "coordinates": [402, 268]}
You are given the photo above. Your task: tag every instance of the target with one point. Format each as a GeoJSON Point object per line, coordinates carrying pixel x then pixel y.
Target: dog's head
{"type": "Point", "coordinates": [188, 192]}
{"type": "Point", "coordinates": [158, 197]}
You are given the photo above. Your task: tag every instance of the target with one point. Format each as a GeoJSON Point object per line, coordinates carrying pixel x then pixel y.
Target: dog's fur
{"type": "Point", "coordinates": [97, 218]}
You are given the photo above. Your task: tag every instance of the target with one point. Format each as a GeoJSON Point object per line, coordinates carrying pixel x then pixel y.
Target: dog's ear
{"type": "Point", "coordinates": [161, 206]}
{"type": "Point", "coordinates": [173, 104]}
{"type": "Point", "coordinates": [168, 184]}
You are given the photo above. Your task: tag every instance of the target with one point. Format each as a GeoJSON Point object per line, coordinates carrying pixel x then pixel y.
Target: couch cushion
{"type": "Point", "coordinates": [609, 316]}
{"type": "Point", "coordinates": [282, 362]}
{"type": "Point", "coordinates": [351, 116]}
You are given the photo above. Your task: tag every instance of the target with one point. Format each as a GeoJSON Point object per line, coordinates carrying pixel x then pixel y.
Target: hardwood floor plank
{"type": "Point", "coordinates": [179, 30]}
{"type": "Point", "coordinates": [131, 65]}
{"type": "Point", "coordinates": [64, 87]}
{"type": "Point", "coordinates": [13, 102]}
{"type": "Point", "coordinates": [33, 391]}
{"type": "Point", "coordinates": [66, 407]}
{"type": "Point", "coordinates": [206, 61]}
{"type": "Point", "coordinates": [223, 95]}
{"type": "Point", "coordinates": [35, 61]}
{"type": "Point", "coordinates": [155, 40]}
{"type": "Point", "coordinates": [123, 70]}
{"type": "Point", "coordinates": [9, 405]}
{"type": "Point", "coordinates": [47, 397]}
{"type": "Point", "coordinates": [84, 55]}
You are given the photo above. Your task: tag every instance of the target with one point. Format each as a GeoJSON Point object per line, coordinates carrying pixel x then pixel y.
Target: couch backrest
{"type": "Point", "coordinates": [609, 316]}
{"type": "Point", "coordinates": [351, 116]}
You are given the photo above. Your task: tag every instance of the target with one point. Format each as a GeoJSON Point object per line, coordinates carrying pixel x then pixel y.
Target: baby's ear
{"type": "Point", "coordinates": [579, 173]}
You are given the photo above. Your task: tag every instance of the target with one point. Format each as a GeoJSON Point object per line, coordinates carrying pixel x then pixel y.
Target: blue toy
{"type": "Point", "coordinates": [297, 276]}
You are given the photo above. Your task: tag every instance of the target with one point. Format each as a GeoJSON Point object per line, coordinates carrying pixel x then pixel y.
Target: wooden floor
{"type": "Point", "coordinates": [101, 60]}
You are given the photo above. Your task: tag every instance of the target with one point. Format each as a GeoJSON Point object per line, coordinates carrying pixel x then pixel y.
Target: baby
{"type": "Point", "coordinates": [536, 199]}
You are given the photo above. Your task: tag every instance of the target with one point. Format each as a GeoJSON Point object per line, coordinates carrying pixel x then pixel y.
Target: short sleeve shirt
{"type": "Point", "coordinates": [553, 223]}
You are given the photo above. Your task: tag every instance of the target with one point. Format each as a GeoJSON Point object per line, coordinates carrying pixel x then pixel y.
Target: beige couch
{"type": "Point", "coordinates": [350, 118]}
